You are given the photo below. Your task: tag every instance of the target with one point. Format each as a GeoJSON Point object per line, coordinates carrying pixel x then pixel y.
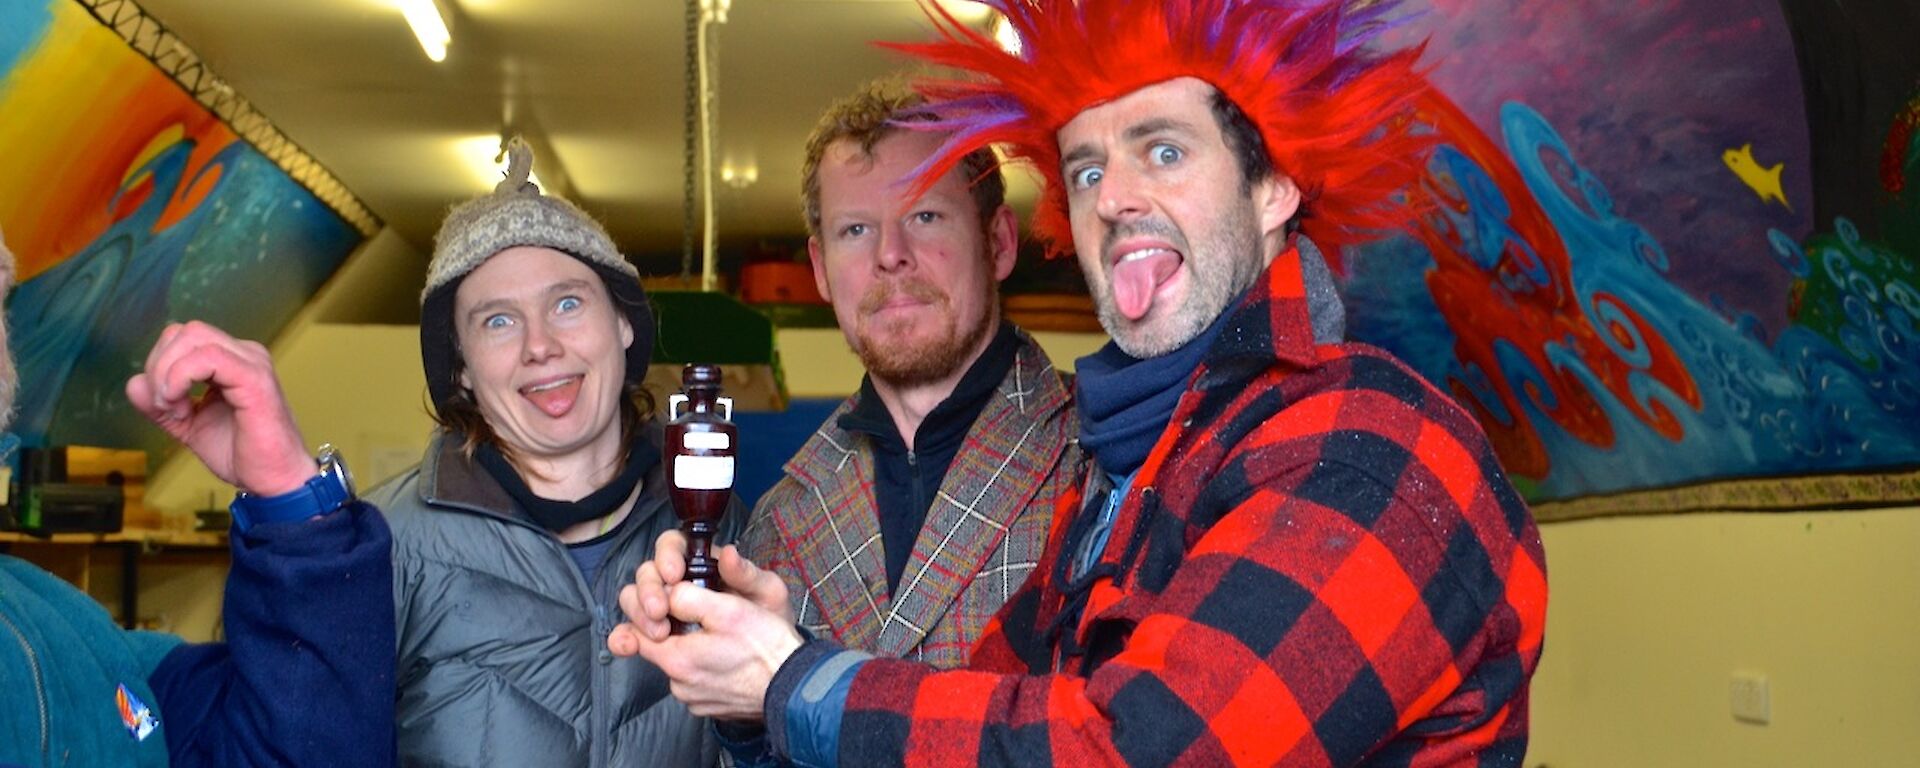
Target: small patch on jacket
{"type": "Point", "coordinates": [135, 714]}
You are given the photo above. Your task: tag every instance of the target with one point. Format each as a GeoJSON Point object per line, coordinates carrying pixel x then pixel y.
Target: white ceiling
{"type": "Point", "coordinates": [601, 80]}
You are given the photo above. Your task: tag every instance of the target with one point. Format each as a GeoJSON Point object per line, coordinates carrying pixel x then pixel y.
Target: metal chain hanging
{"type": "Point", "coordinates": [691, 130]}
{"type": "Point", "coordinates": [700, 130]}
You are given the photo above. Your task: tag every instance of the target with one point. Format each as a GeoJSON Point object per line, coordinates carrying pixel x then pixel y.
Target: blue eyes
{"type": "Point", "coordinates": [501, 321]}
{"type": "Point", "coordinates": [918, 217]}
{"type": "Point", "coordinates": [1089, 177]}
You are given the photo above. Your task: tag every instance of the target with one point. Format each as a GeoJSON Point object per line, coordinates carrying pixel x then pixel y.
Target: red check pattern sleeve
{"type": "Point", "coordinates": [1344, 580]}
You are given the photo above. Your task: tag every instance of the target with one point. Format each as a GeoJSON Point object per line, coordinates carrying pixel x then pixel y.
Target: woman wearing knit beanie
{"type": "Point", "coordinates": [537, 498]}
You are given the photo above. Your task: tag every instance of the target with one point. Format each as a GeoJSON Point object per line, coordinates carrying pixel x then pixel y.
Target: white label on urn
{"type": "Point", "coordinates": [714, 441]}
{"type": "Point", "coordinates": [703, 473]}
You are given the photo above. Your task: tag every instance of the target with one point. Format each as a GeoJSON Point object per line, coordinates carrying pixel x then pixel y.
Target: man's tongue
{"type": "Point", "coordinates": [554, 399]}
{"type": "Point", "coordinates": [1135, 282]}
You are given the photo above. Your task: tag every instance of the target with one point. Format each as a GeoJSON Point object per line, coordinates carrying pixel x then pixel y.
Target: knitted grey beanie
{"type": "Point", "coordinates": [516, 214]}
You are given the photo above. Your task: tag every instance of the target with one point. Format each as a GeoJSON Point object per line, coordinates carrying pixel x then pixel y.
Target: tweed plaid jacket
{"type": "Point", "coordinates": [819, 530]}
{"type": "Point", "coordinates": [1320, 563]}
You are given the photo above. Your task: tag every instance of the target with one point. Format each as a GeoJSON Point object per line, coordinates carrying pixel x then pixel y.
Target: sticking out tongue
{"type": "Point", "coordinates": [554, 400]}
{"type": "Point", "coordinates": [1136, 281]}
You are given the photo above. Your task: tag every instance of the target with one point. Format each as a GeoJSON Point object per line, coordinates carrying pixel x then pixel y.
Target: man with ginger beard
{"type": "Point", "coordinates": [925, 499]}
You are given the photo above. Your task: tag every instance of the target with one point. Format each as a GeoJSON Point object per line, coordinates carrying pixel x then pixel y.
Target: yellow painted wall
{"type": "Point", "coordinates": [816, 363]}
{"type": "Point", "coordinates": [1650, 617]}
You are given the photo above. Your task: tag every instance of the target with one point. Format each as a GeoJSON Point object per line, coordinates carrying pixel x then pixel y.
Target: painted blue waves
{"type": "Point", "coordinates": [245, 258]}
{"type": "Point", "coordinates": [1797, 404]}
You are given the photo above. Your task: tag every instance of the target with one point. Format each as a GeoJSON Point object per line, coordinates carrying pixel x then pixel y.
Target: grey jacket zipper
{"type": "Point", "coordinates": [39, 685]}
{"type": "Point", "coordinates": [600, 680]}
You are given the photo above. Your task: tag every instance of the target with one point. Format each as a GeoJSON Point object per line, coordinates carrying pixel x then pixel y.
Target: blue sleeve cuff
{"type": "Point", "coordinates": [746, 743]}
{"type": "Point", "coordinates": [806, 701]}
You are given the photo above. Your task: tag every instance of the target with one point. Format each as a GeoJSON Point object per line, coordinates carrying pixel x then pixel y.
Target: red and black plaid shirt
{"type": "Point", "coordinates": [1320, 563]}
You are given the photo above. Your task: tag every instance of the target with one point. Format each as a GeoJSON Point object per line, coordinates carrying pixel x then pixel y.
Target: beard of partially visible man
{"type": "Point", "coordinates": [910, 364]}
{"type": "Point", "coordinates": [9, 378]}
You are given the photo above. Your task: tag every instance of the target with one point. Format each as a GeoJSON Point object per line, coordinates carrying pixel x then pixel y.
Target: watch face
{"type": "Point", "coordinates": [332, 464]}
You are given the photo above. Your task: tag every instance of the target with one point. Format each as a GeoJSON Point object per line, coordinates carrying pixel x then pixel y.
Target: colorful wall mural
{"type": "Point", "coordinates": [1648, 264]}
{"type": "Point", "coordinates": [129, 205]}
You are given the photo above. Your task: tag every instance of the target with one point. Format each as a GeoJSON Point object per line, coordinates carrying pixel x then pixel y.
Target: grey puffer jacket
{"type": "Point", "coordinates": [503, 655]}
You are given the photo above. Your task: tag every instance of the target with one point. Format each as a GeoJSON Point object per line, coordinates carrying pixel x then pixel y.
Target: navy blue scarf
{"type": "Point", "coordinates": [556, 515]}
{"type": "Point", "coordinates": [1125, 402]}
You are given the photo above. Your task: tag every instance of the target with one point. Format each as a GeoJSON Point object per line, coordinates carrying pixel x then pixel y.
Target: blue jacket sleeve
{"type": "Point", "coordinates": [306, 676]}
{"type": "Point", "coordinates": [806, 701]}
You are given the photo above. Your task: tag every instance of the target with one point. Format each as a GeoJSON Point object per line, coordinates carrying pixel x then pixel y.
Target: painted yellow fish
{"type": "Point", "coordinates": [1765, 182]}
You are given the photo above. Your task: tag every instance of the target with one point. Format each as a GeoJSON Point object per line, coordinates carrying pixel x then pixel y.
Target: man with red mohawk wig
{"type": "Point", "coordinates": [1295, 551]}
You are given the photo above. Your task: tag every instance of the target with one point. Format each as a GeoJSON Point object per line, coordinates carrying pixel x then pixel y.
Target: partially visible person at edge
{"type": "Point", "coordinates": [540, 493]}
{"type": "Point", "coordinates": [304, 677]}
{"type": "Point", "coordinates": [924, 501]}
{"type": "Point", "coordinates": [1308, 554]}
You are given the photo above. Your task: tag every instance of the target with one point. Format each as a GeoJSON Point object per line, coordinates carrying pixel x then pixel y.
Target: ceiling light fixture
{"type": "Point", "coordinates": [429, 26]}
{"type": "Point", "coordinates": [739, 177]}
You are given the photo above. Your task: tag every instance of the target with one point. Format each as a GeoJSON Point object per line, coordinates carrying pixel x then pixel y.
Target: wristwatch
{"type": "Point", "coordinates": [323, 493]}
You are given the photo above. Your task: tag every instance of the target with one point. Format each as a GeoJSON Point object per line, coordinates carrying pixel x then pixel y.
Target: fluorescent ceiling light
{"type": "Point", "coordinates": [739, 177]}
{"type": "Point", "coordinates": [428, 26]}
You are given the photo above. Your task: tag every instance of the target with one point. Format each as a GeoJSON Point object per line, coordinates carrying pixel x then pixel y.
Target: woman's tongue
{"type": "Point", "coordinates": [554, 398]}
{"type": "Point", "coordinates": [1135, 281]}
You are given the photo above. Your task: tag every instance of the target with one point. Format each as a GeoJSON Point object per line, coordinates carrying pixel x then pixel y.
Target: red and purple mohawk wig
{"type": "Point", "coordinates": [1336, 116]}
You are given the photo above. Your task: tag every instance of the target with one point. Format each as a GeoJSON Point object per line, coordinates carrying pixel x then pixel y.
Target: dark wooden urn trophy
{"type": "Point", "coordinates": [700, 445]}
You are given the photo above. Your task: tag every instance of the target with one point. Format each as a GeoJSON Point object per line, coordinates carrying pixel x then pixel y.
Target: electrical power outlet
{"type": "Point", "coordinates": [1750, 699]}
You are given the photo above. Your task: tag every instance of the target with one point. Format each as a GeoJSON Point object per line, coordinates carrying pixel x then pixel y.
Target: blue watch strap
{"type": "Point", "coordinates": [319, 495]}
